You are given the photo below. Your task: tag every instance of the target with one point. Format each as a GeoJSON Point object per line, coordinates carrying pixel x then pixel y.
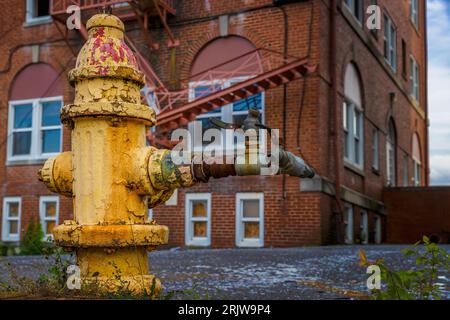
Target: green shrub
{"type": "Point", "coordinates": [33, 243]}
{"type": "Point", "coordinates": [3, 249]}
{"type": "Point", "coordinates": [419, 283]}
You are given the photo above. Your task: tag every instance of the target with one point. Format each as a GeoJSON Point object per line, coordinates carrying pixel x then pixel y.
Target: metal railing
{"type": "Point", "coordinates": [58, 7]}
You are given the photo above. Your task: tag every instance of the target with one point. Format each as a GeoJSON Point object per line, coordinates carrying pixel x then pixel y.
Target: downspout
{"type": "Point", "coordinates": [334, 107]}
{"type": "Point", "coordinates": [286, 39]}
{"type": "Point", "coordinates": [285, 53]}
{"type": "Point", "coordinates": [427, 121]}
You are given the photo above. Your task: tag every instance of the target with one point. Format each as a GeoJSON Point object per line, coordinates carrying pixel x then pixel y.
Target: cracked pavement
{"type": "Point", "coordinates": [253, 273]}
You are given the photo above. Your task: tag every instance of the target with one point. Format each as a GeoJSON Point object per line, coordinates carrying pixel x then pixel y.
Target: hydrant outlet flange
{"type": "Point", "coordinates": [110, 236]}
{"type": "Point", "coordinates": [116, 110]}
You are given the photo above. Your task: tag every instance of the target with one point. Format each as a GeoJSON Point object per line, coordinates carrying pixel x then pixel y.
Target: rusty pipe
{"type": "Point", "coordinates": [294, 166]}
{"type": "Point", "coordinates": [288, 164]}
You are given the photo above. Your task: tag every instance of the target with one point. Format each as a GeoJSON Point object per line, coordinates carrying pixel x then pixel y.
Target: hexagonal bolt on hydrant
{"type": "Point", "coordinates": [111, 175]}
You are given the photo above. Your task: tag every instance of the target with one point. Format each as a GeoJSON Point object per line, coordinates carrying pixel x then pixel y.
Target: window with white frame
{"type": "Point", "coordinates": [198, 219]}
{"type": "Point", "coordinates": [34, 129]}
{"type": "Point", "coordinates": [232, 113]}
{"type": "Point", "coordinates": [417, 173]}
{"type": "Point", "coordinates": [390, 42]}
{"type": "Point", "coordinates": [375, 149]}
{"type": "Point", "coordinates": [353, 119]}
{"type": "Point", "coordinates": [417, 163]}
{"type": "Point", "coordinates": [391, 145]}
{"type": "Point", "coordinates": [415, 78]}
{"type": "Point", "coordinates": [364, 228]}
{"type": "Point", "coordinates": [38, 11]}
{"type": "Point", "coordinates": [405, 170]}
{"type": "Point", "coordinates": [348, 224]}
{"type": "Point", "coordinates": [356, 8]}
{"type": "Point", "coordinates": [414, 11]}
{"type": "Point", "coordinates": [49, 214]}
{"type": "Point", "coordinates": [250, 219]}
{"type": "Point", "coordinates": [12, 209]}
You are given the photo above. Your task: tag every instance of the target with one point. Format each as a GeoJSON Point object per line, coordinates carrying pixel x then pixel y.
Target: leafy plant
{"type": "Point", "coordinates": [33, 243]}
{"type": "Point", "coordinates": [57, 275]}
{"type": "Point", "coordinates": [420, 283]}
{"type": "Point", "coordinates": [3, 249]}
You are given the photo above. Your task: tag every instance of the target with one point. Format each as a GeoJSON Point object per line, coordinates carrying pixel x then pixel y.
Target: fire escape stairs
{"type": "Point", "coordinates": [172, 117]}
{"type": "Point", "coordinates": [180, 116]}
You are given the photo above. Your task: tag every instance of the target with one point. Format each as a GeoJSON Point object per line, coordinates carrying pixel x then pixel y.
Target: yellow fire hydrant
{"type": "Point", "coordinates": [112, 176]}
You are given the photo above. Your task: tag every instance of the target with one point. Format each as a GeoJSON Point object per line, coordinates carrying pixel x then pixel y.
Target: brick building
{"type": "Point", "coordinates": [360, 120]}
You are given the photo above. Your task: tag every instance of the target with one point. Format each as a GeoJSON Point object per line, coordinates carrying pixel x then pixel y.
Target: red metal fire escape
{"type": "Point", "coordinates": [175, 108]}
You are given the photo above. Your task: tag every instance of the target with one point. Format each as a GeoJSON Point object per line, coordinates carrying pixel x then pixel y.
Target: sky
{"type": "Point", "coordinates": [439, 90]}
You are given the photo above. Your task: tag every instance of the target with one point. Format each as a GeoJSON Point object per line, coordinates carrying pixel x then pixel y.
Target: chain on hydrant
{"type": "Point", "coordinates": [111, 175]}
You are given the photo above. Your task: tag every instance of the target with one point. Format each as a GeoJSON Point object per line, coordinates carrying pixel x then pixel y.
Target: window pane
{"type": "Point", "coordinates": [200, 229]}
{"type": "Point", "coordinates": [348, 114]}
{"type": "Point", "coordinates": [49, 226]}
{"type": "Point", "coordinates": [13, 211]}
{"type": "Point", "coordinates": [42, 8]}
{"type": "Point", "coordinates": [346, 146]}
{"type": "Point", "coordinates": [356, 124]}
{"type": "Point", "coordinates": [251, 230]}
{"type": "Point", "coordinates": [13, 227]}
{"type": "Point", "coordinates": [50, 113]}
{"type": "Point", "coordinates": [253, 102]}
{"type": "Point", "coordinates": [250, 208]}
{"type": "Point", "coordinates": [21, 143]}
{"type": "Point", "coordinates": [23, 115]}
{"type": "Point", "coordinates": [204, 91]}
{"type": "Point", "coordinates": [199, 208]}
{"type": "Point", "coordinates": [51, 141]}
{"type": "Point", "coordinates": [357, 9]}
{"type": "Point", "coordinates": [50, 209]}
{"type": "Point", "coordinates": [375, 149]}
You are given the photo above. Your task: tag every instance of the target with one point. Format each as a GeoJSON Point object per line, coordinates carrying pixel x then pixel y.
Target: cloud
{"type": "Point", "coordinates": [439, 90]}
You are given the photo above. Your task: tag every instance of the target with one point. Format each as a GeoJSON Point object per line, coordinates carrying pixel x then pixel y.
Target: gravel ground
{"type": "Point", "coordinates": [253, 273]}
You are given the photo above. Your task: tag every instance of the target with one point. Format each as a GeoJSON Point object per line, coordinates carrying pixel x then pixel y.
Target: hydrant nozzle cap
{"type": "Point", "coordinates": [105, 21]}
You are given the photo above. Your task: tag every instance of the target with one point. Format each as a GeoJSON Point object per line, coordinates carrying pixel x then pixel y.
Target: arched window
{"type": "Point", "coordinates": [34, 127]}
{"type": "Point", "coordinates": [222, 63]}
{"type": "Point", "coordinates": [353, 118]}
{"type": "Point", "coordinates": [417, 160]}
{"type": "Point", "coordinates": [391, 147]}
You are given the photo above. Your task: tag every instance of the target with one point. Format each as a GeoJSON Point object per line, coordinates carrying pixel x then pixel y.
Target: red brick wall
{"type": "Point", "coordinates": [16, 53]}
{"type": "Point", "coordinates": [293, 219]}
{"type": "Point", "coordinates": [316, 144]}
{"type": "Point", "coordinates": [285, 224]}
{"type": "Point", "coordinates": [417, 212]}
